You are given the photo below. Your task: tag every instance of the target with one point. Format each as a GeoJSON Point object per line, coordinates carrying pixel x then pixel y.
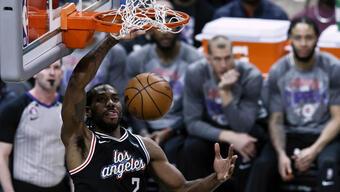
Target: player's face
{"type": "Point", "coordinates": [106, 109]}
{"type": "Point", "coordinates": [221, 60]}
{"type": "Point", "coordinates": [164, 41]}
{"type": "Point", "coordinates": [304, 41]}
{"type": "Point", "coordinates": [49, 78]}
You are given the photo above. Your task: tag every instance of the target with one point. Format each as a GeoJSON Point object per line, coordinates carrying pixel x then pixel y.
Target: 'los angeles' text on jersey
{"type": "Point", "coordinates": [123, 162]}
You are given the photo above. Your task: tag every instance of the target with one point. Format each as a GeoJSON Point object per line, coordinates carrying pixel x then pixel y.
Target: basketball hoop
{"type": "Point", "coordinates": [78, 27]}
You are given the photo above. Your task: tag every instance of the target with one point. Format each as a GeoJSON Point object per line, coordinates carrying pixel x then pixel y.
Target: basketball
{"type": "Point", "coordinates": [148, 96]}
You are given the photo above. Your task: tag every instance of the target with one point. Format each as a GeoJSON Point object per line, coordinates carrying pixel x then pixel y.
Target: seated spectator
{"type": "Point", "coordinates": [323, 13]}
{"type": "Point", "coordinates": [169, 57]}
{"type": "Point", "coordinates": [220, 105]}
{"type": "Point", "coordinates": [304, 102]}
{"type": "Point", "coordinates": [262, 9]}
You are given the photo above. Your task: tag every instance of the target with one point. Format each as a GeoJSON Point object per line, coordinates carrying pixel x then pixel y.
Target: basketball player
{"type": "Point", "coordinates": [102, 155]}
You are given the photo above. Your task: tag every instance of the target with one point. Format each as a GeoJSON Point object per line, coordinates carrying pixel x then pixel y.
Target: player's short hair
{"type": "Point", "coordinates": [92, 92]}
{"type": "Point", "coordinates": [305, 20]}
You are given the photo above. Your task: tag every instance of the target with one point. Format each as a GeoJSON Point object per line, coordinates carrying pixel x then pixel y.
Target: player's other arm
{"type": "Point", "coordinates": [173, 180]}
{"type": "Point", "coordinates": [73, 110]}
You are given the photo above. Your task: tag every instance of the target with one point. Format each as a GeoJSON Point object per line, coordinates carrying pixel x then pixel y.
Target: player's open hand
{"type": "Point", "coordinates": [224, 168]}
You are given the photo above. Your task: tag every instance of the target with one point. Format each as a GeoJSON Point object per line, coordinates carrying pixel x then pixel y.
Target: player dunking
{"type": "Point", "coordinates": [103, 156]}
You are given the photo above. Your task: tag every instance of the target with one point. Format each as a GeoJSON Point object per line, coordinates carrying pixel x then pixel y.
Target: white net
{"type": "Point", "coordinates": [146, 14]}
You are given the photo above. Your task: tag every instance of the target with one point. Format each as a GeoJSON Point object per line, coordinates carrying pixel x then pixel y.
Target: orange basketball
{"type": "Point", "coordinates": [148, 96]}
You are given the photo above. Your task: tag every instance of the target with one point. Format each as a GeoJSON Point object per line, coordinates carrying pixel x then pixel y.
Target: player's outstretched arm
{"type": "Point", "coordinates": [172, 179]}
{"type": "Point", "coordinates": [73, 110]}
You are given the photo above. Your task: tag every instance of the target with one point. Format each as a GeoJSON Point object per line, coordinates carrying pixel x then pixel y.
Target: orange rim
{"type": "Point", "coordinates": [103, 20]}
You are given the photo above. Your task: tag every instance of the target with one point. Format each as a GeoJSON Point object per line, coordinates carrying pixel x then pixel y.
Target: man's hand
{"type": "Point", "coordinates": [304, 159]}
{"type": "Point", "coordinates": [228, 79]}
{"type": "Point", "coordinates": [224, 168]}
{"type": "Point", "coordinates": [285, 167]}
{"type": "Point", "coordinates": [245, 145]}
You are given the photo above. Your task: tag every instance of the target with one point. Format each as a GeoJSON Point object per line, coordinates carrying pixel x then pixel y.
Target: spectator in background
{"type": "Point", "coordinates": [5, 95]}
{"type": "Point", "coordinates": [323, 13]}
{"type": "Point", "coordinates": [169, 57]}
{"type": "Point", "coordinates": [261, 9]}
{"type": "Point", "coordinates": [30, 128]}
{"type": "Point", "coordinates": [220, 105]}
{"type": "Point", "coordinates": [200, 11]}
{"type": "Point", "coordinates": [304, 99]}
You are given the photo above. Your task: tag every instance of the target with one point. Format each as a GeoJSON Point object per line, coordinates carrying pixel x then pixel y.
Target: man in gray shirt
{"type": "Point", "coordinates": [220, 105]}
{"type": "Point", "coordinates": [304, 99]}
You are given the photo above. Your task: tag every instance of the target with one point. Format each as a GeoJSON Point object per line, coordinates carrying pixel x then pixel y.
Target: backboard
{"type": "Point", "coordinates": [30, 34]}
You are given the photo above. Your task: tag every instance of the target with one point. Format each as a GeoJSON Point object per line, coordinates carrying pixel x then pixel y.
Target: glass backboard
{"type": "Point", "coordinates": [31, 36]}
